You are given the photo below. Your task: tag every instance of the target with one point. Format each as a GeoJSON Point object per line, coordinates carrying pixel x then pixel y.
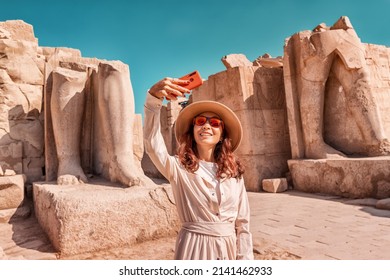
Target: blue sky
{"type": "Point", "coordinates": [171, 38]}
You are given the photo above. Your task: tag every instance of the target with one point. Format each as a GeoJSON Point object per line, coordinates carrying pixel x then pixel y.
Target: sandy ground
{"type": "Point", "coordinates": [23, 238]}
{"type": "Point", "coordinates": [163, 249]}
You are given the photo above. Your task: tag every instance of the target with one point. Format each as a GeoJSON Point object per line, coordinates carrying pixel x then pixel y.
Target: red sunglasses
{"type": "Point", "coordinates": [213, 121]}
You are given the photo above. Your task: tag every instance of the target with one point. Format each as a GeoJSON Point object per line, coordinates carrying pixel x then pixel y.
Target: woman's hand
{"type": "Point", "coordinates": [170, 88]}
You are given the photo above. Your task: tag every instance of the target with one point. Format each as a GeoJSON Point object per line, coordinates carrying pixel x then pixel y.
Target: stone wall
{"type": "Point", "coordinates": [22, 69]}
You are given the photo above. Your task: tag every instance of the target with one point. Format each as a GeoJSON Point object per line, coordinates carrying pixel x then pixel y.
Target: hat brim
{"type": "Point", "coordinates": [231, 122]}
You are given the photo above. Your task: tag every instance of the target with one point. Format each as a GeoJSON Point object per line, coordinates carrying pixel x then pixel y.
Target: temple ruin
{"type": "Point", "coordinates": [315, 120]}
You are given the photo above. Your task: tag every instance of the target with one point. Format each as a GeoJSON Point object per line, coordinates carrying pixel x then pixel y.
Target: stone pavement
{"type": "Point", "coordinates": [23, 238]}
{"type": "Point", "coordinates": [320, 227]}
{"type": "Point", "coordinates": [289, 225]}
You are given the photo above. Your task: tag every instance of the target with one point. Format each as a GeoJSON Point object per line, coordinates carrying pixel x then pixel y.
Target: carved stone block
{"type": "Point", "coordinates": [11, 191]}
{"type": "Point", "coordinates": [93, 217]}
{"type": "Point", "coordinates": [347, 177]}
{"type": "Point", "coordinates": [275, 185]}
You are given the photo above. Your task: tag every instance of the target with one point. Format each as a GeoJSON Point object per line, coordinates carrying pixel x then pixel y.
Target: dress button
{"type": "Point", "coordinates": [217, 214]}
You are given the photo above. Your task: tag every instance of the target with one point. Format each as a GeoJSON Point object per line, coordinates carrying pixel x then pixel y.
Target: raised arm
{"type": "Point", "coordinates": [154, 143]}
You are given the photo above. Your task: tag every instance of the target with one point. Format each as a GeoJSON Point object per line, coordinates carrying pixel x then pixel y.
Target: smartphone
{"type": "Point", "coordinates": [194, 78]}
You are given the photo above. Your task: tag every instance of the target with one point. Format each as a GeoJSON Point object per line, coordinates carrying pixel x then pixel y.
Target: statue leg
{"type": "Point", "coordinates": [115, 111]}
{"type": "Point", "coordinates": [361, 102]}
{"type": "Point", "coordinates": [67, 107]}
{"type": "Point", "coordinates": [311, 102]}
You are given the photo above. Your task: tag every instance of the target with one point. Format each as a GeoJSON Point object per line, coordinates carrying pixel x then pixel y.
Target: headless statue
{"type": "Point", "coordinates": [67, 105]}
{"type": "Point", "coordinates": [337, 51]}
{"type": "Point", "coordinates": [113, 117]}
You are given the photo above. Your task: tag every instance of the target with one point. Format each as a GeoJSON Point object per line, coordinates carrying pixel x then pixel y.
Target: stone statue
{"type": "Point", "coordinates": [67, 104]}
{"type": "Point", "coordinates": [111, 135]}
{"type": "Point", "coordinates": [310, 58]}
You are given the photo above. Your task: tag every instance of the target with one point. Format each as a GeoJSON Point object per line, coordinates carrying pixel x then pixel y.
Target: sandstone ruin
{"type": "Point", "coordinates": [318, 116]}
{"type": "Point", "coordinates": [315, 120]}
{"type": "Point", "coordinates": [69, 128]}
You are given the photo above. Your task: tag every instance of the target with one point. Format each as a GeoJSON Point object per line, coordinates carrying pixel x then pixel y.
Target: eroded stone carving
{"type": "Point", "coordinates": [103, 89]}
{"type": "Point", "coordinates": [67, 104]}
{"type": "Point", "coordinates": [86, 130]}
{"type": "Point", "coordinates": [90, 133]}
{"type": "Point", "coordinates": [316, 62]}
{"type": "Point", "coordinates": [114, 129]}
{"type": "Point", "coordinates": [337, 105]}
{"type": "Point", "coordinates": [95, 217]}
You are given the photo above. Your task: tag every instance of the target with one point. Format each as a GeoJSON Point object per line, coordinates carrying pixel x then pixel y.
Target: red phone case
{"type": "Point", "coordinates": [195, 80]}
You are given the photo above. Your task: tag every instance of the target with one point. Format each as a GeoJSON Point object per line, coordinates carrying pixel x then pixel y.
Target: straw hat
{"type": "Point", "coordinates": [231, 122]}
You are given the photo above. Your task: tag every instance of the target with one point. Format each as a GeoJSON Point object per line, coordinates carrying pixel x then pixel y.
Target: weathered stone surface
{"type": "Point", "coordinates": [62, 52]}
{"type": "Point", "coordinates": [268, 61]}
{"type": "Point", "coordinates": [113, 130]}
{"type": "Point", "coordinates": [32, 168]}
{"type": "Point", "coordinates": [23, 67]}
{"type": "Point", "coordinates": [331, 84]}
{"type": "Point", "coordinates": [276, 185]}
{"type": "Point", "coordinates": [235, 60]}
{"type": "Point", "coordinates": [67, 108]}
{"type": "Point", "coordinates": [2, 254]}
{"type": "Point", "coordinates": [138, 138]}
{"type": "Point", "coordinates": [347, 177]}
{"type": "Point", "coordinates": [17, 30]}
{"type": "Point", "coordinates": [21, 94]}
{"type": "Point", "coordinates": [92, 217]}
{"type": "Point", "coordinates": [26, 70]}
{"type": "Point", "coordinates": [11, 156]}
{"type": "Point", "coordinates": [341, 129]}
{"type": "Point", "coordinates": [383, 204]}
{"type": "Point", "coordinates": [94, 130]}
{"type": "Point", "coordinates": [74, 65]}
{"type": "Point", "coordinates": [11, 191]}
{"type": "Point", "coordinates": [337, 106]}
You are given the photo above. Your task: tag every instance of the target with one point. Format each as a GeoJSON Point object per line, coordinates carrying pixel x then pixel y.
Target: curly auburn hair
{"type": "Point", "coordinates": [228, 164]}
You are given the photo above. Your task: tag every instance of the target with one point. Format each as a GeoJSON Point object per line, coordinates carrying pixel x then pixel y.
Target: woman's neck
{"type": "Point", "coordinates": [206, 154]}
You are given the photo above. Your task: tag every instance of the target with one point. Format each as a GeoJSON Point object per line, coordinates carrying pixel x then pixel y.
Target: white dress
{"type": "Point", "coordinates": [214, 213]}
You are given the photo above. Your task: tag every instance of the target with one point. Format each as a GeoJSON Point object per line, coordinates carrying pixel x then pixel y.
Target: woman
{"type": "Point", "coordinates": [205, 175]}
